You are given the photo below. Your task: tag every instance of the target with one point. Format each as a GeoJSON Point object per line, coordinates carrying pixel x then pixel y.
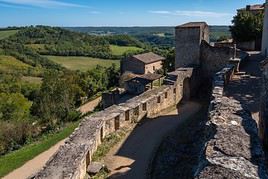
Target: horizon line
{"type": "Point", "coordinates": [117, 26]}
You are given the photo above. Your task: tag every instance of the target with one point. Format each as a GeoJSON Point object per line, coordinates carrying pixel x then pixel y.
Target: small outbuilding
{"type": "Point", "coordinates": [142, 64]}
{"type": "Point", "coordinates": [142, 83]}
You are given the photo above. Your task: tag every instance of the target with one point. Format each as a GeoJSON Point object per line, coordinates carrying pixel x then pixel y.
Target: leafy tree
{"type": "Point", "coordinates": [14, 106]}
{"type": "Point", "coordinates": [55, 100]}
{"type": "Point", "coordinates": [169, 63]}
{"type": "Point", "coordinates": [247, 26]}
{"type": "Point", "coordinates": [222, 38]}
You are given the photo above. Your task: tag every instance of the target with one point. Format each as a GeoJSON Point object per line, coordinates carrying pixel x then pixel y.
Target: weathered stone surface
{"type": "Point", "coordinates": [233, 149]}
{"type": "Point", "coordinates": [94, 168]}
{"type": "Point", "coordinates": [213, 172]}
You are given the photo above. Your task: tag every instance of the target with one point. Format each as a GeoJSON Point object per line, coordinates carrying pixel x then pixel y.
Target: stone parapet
{"type": "Point", "coordinates": [233, 148]}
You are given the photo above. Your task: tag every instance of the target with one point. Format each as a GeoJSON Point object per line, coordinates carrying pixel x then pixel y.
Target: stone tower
{"type": "Point", "coordinates": [265, 32]}
{"type": "Point", "coordinates": [188, 40]}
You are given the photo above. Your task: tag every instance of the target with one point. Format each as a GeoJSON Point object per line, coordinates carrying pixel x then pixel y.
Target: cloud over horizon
{"type": "Point", "coordinates": [191, 13]}
{"type": "Point", "coordinates": [42, 3]}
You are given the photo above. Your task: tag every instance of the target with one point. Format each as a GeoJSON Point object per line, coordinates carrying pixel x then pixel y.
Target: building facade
{"type": "Point", "coordinates": [188, 40]}
{"type": "Point", "coordinates": [142, 63]}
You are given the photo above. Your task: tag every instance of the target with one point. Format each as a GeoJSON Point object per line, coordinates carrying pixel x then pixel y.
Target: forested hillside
{"type": "Point", "coordinates": [155, 36]}
{"type": "Point", "coordinates": [57, 41]}
{"type": "Point", "coordinates": [39, 96]}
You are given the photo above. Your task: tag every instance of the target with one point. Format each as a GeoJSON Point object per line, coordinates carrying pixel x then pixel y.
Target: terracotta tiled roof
{"type": "Point", "coordinates": [253, 7]}
{"type": "Point", "coordinates": [148, 57]}
{"type": "Point", "coordinates": [151, 76]}
{"type": "Point", "coordinates": [146, 78]}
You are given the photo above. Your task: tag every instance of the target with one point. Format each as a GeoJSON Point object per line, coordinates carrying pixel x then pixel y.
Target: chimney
{"type": "Point", "coordinates": [248, 7]}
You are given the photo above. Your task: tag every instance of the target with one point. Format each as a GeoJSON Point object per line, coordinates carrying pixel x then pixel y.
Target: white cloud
{"type": "Point", "coordinates": [160, 12]}
{"type": "Point", "coordinates": [201, 14]}
{"type": "Point", "coordinates": [43, 3]}
{"type": "Point", "coordinates": [192, 13]}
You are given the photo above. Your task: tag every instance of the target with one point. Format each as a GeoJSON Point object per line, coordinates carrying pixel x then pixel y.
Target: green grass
{"type": "Point", "coordinates": [17, 158]}
{"type": "Point", "coordinates": [6, 33]}
{"type": "Point", "coordinates": [9, 64]}
{"type": "Point", "coordinates": [120, 50]}
{"type": "Point", "coordinates": [82, 63]}
{"type": "Point", "coordinates": [31, 79]}
{"type": "Point", "coordinates": [108, 142]}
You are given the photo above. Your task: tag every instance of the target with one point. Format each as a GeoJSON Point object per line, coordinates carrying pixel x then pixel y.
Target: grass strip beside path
{"type": "Point", "coordinates": [16, 159]}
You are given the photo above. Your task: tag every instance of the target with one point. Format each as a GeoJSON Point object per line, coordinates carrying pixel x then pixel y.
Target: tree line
{"type": "Point", "coordinates": [61, 42]}
{"type": "Point", "coordinates": [29, 110]}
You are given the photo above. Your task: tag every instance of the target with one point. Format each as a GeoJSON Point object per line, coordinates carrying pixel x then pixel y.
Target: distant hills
{"type": "Point", "coordinates": [30, 44]}
{"type": "Point", "coordinates": [156, 36]}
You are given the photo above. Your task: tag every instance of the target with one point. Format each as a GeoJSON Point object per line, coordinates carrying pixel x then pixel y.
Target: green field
{"type": "Point", "coordinates": [6, 33]}
{"type": "Point", "coordinates": [120, 50]}
{"type": "Point", "coordinates": [17, 158]}
{"type": "Point", "coordinates": [82, 63]}
{"type": "Point", "coordinates": [9, 64]}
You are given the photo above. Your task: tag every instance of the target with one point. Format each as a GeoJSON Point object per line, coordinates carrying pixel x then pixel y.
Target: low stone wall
{"type": "Point", "coordinates": [213, 59]}
{"type": "Point", "coordinates": [72, 159]}
{"type": "Point", "coordinates": [233, 149]}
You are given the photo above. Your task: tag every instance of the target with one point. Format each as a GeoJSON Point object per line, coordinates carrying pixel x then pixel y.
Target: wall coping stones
{"type": "Point", "coordinates": [233, 149]}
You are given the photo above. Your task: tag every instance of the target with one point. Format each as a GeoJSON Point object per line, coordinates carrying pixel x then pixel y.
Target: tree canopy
{"type": "Point", "coordinates": [247, 26]}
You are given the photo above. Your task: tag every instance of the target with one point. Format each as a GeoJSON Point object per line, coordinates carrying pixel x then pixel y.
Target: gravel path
{"type": "Point", "coordinates": [34, 165]}
{"type": "Point", "coordinates": [130, 158]}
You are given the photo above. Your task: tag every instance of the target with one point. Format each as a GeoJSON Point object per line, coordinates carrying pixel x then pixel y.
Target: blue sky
{"type": "Point", "coordinates": [118, 12]}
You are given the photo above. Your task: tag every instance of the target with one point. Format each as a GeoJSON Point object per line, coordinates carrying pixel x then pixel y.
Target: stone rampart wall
{"type": "Point", "coordinates": [213, 59]}
{"type": "Point", "coordinates": [233, 149]}
{"type": "Point", "coordinates": [72, 158]}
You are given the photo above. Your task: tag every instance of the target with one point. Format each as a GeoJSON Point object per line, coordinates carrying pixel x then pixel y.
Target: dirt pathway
{"type": "Point", "coordinates": [34, 165]}
{"type": "Point", "coordinates": [90, 106]}
{"type": "Point", "coordinates": [245, 86]}
{"type": "Point", "coordinates": [130, 158]}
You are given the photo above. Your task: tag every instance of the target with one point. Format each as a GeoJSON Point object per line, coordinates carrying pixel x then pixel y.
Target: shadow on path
{"type": "Point", "coordinates": [246, 88]}
{"type": "Point", "coordinates": [131, 158]}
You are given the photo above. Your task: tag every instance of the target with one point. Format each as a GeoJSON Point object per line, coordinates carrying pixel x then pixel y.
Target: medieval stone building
{"type": "Point", "coordinates": [188, 40]}
{"type": "Point", "coordinates": [142, 63]}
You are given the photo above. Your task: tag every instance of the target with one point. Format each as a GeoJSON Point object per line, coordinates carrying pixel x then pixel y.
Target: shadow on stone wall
{"type": "Point", "coordinates": [144, 140]}
{"type": "Point", "coordinates": [235, 150]}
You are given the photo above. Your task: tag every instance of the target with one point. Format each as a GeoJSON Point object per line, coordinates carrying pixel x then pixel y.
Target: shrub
{"type": "Point", "coordinates": [13, 135]}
